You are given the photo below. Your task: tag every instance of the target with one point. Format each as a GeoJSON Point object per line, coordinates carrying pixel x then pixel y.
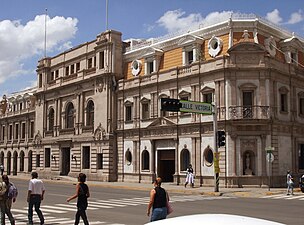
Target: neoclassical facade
{"type": "Point", "coordinates": [97, 107]}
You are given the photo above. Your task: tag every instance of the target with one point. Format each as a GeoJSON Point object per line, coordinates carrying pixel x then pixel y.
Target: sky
{"type": "Point", "coordinates": [70, 23]}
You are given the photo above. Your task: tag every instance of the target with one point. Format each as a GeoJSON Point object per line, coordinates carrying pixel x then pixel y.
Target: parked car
{"type": "Point", "coordinates": [216, 219]}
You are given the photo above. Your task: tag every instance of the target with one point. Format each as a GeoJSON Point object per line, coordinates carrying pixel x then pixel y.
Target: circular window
{"type": "Point", "coordinates": [128, 157]}
{"type": "Point", "coordinates": [136, 67]}
{"type": "Point", "coordinates": [208, 157]}
{"type": "Point", "coordinates": [214, 46]}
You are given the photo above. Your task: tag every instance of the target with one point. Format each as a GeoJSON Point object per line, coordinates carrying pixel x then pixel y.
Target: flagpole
{"type": "Point", "coordinates": [45, 17]}
{"type": "Point", "coordinates": [107, 4]}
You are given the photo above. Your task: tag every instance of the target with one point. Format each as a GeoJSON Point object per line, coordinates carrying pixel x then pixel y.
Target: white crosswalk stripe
{"type": "Point", "coordinates": [284, 196]}
{"type": "Point", "coordinates": [55, 214]}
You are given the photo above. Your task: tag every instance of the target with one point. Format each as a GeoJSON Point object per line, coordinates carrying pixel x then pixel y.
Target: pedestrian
{"type": "Point", "coordinates": [1, 169]}
{"type": "Point", "coordinates": [190, 176]}
{"type": "Point", "coordinates": [7, 199]}
{"type": "Point", "coordinates": [83, 193]}
{"type": "Point", "coordinates": [289, 183]}
{"type": "Point", "coordinates": [158, 201]}
{"type": "Point", "coordinates": [2, 203]}
{"type": "Point", "coordinates": [35, 195]}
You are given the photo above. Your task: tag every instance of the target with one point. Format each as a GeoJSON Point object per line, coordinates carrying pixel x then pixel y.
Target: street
{"type": "Point", "coordinates": [128, 207]}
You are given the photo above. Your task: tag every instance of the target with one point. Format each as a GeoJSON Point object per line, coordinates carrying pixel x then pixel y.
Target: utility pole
{"type": "Point", "coordinates": [216, 154]}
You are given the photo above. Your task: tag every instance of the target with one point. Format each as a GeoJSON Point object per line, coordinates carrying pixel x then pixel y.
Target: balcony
{"type": "Point", "coordinates": [249, 112]}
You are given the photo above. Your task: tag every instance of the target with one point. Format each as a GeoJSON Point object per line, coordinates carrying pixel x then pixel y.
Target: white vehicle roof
{"type": "Point", "coordinates": [215, 219]}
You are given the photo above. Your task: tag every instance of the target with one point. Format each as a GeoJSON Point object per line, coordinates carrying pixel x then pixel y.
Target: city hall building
{"type": "Point", "coordinates": [96, 108]}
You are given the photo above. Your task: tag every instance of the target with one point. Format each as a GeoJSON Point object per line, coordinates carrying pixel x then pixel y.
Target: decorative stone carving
{"type": "Point", "coordinates": [248, 171]}
{"type": "Point", "coordinates": [3, 105]}
{"type": "Point", "coordinates": [37, 139]}
{"type": "Point", "coordinates": [99, 133]}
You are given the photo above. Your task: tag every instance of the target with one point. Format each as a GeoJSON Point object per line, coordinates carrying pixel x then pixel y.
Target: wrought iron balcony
{"type": "Point", "coordinates": [249, 112]}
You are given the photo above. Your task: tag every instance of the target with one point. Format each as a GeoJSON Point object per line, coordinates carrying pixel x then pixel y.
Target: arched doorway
{"type": "Point", "coordinates": [15, 162]}
{"type": "Point", "coordinates": [30, 161]}
{"type": "Point", "coordinates": [21, 163]}
{"type": "Point", "coordinates": [2, 158]}
{"type": "Point", "coordinates": [8, 163]}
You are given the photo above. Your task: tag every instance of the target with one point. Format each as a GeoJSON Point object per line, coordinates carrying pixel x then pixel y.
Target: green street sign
{"type": "Point", "coordinates": [196, 107]}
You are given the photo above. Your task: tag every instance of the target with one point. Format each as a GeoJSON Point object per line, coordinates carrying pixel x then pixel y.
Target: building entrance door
{"type": "Point", "coordinates": [65, 161]}
{"type": "Point", "coordinates": [166, 164]}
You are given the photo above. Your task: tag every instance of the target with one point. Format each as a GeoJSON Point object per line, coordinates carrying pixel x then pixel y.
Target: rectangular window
{"type": "Point", "coordinates": [38, 160]}
{"type": "Point", "coordinates": [301, 106]}
{"type": "Point", "coordinates": [52, 76]}
{"type": "Point", "coordinates": [57, 74]}
{"type": "Point", "coordinates": [301, 157]}
{"type": "Point", "coordinates": [128, 113]}
{"type": "Point", "coordinates": [32, 129]}
{"type": "Point", "coordinates": [284, 103]}
{"type": "Point", "coordinates": [3, 133]}
{"type": "Point", "coordinates": [16, 131]}
{"type": "Point", "coordinates": [90, 63]}
{"type": "Point", "coordinates": [102, 60]}
{"type": "Point", "coordinates": [67, 72]}
{"type": "Point", "coordinates": [207, 98]}
{"type": "Point", "coordinates": [72, 69]}
{"type": "Point", "coordinates": [20, 106]}
{"type": "Point", "coordinates": [190, 57]}
{"type": "Point", "coordinates": [150, 67]}
{"type": "Point", "coordinates": [40, 80]}
{"type": "Point", "coordinates": [23, 131]}
{"type": "Point", "coordinates": [86, 157]}
{"type": "Point", "coordinates": [99, 161]}
{"type": "Point", "coordinates": [47, 157]}
{"type": "Point", "coordinates": [10, 136]}
{"type": "Point", "coordinates": [145, 110]}
{"type": "Point", "coordinates": [77, 66]}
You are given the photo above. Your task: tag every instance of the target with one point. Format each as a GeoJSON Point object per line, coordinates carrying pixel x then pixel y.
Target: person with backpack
{"type": "Point", "coordinates": [83, 193]}
{"type": "Point", "coordinates": [7, 199]}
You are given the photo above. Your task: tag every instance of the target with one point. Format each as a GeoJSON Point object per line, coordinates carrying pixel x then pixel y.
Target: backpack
{"type": "Point", "coordinates": [2, 188]}
{"type": "Point", "coordinates": [12, 191]}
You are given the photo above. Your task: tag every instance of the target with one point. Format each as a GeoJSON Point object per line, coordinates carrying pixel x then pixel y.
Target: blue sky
{"type": "Point", "coordinates": [72, 22]}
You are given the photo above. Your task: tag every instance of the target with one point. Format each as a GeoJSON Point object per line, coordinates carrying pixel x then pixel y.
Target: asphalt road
{"type": "Point", "coordinates": [109, 206]}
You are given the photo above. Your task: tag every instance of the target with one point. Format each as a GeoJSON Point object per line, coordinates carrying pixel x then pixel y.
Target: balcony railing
{"type": "Point", "coordinates": [249, 112]}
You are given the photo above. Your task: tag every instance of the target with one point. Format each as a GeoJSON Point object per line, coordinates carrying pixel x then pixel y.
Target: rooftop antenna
{"type": "Point", "coordinates": [45, 17]}
{"type": "Point", "coordinates": [107, 5]}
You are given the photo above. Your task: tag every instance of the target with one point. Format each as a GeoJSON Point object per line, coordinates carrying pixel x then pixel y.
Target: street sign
{"type": "Point", "coordinates": [270, 157]}
{"type": "Point", "coordinates": [196, 107]}
{"type": "Point", "coordinates": [269, 149]}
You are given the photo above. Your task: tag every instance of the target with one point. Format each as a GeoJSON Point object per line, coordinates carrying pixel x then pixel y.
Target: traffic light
{"type": "Point", "coordinates": [221, 138]}
{"type": "Point", "coordinates": [170, 104]}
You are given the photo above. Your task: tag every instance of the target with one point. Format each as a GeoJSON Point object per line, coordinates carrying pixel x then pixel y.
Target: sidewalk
{"type": "Point", "coordinates": [250, 192]}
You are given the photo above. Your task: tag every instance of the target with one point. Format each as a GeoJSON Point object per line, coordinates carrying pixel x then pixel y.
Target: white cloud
{"type": "Point", "coordinates": [20, 42]}
{"type": "Point", "coordinates": [274, 16]}
{"type": "Point", "coordinates": [296, 17]}
{"type": "Point", "coordinates": [176, 20]}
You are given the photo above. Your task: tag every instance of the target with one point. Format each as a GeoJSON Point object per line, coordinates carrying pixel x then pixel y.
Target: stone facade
{"type": "Point", "coordinates": [97, 107]}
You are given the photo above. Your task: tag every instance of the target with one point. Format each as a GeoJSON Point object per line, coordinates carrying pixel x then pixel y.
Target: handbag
{"type": "Point", "coordinates": [169, 208]}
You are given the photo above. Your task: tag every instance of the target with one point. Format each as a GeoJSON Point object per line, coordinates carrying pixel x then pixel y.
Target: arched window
{"type": "Point", "coordinates": [51, 119]}
{"type": "Point", "coordinates": [70, 116]}
{"type": "Point", "coordinates": [8, 163]}
{"type": "Point", "coordinates": [145, 160]}
{"type": "Point", "coordinates": [128, 157]}
{"type": "Point", "coordinates": [15, 162]}
{"type": "Point", "coordinates": [90, 113]}
{"type": "Point", "coordinates": [2, 158]}
{"type": "Point", "coordinates": [185, 159]}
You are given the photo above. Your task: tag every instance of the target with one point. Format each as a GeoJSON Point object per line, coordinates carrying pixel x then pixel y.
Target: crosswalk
{"type": "Point", "coordinates": [285, 197]}
{"type": "Point", "coordinates": [56, 214]}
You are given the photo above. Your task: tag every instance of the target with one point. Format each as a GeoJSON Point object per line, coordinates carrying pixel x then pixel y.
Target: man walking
{"type": "Point", "coordinates": [289, 183]}
{"type": "Point", "coordinates": [35, 195]}
{"type": "Point", "coordinates": [7, 199]}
